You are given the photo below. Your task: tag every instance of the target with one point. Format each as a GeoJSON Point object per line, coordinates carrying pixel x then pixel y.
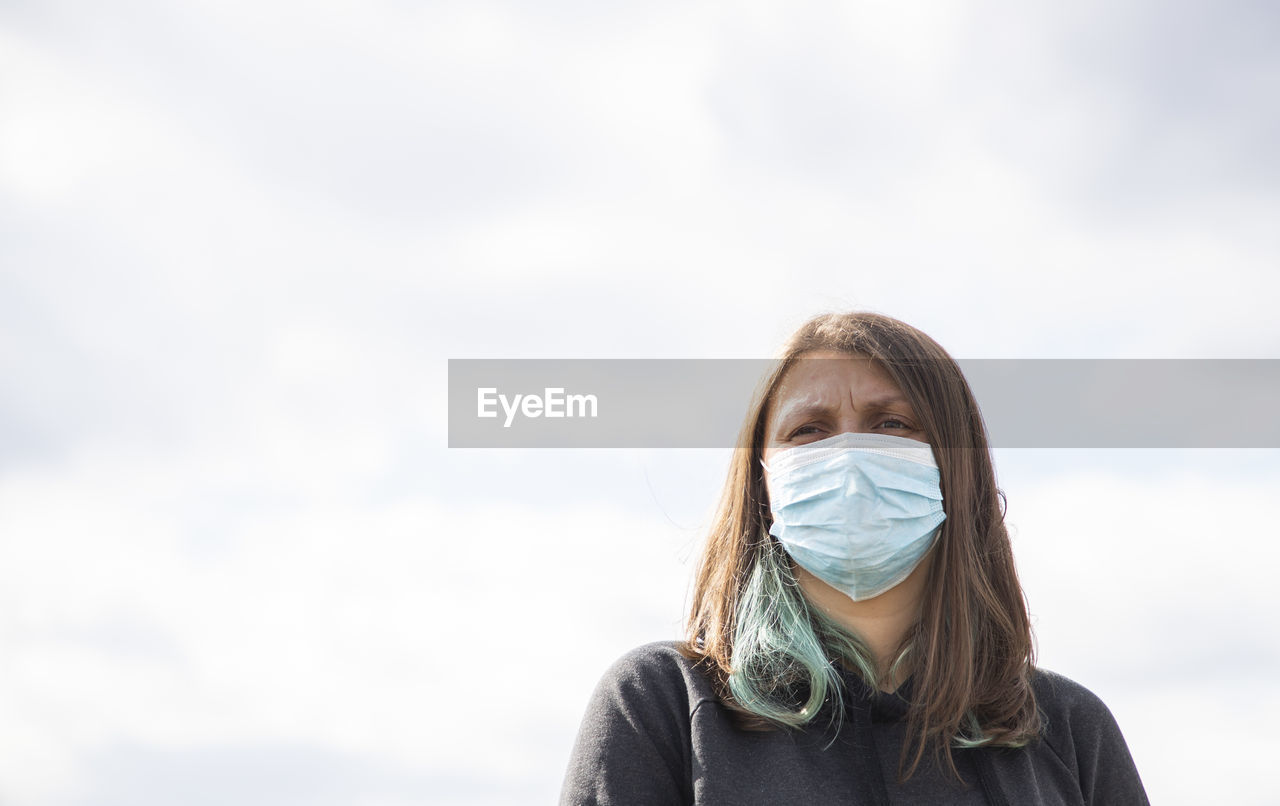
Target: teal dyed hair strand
{"type": "Point", "coordinates": [785, 652]}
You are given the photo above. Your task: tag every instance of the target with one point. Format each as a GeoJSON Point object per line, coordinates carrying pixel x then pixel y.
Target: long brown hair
{"type": "Point", "coordinates": [971, 651]}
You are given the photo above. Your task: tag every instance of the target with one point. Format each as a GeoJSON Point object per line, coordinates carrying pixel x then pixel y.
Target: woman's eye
{"type": "Point", "coordinates": [893, 423]}
{"type": "Point", "coordinates": [803, 430]}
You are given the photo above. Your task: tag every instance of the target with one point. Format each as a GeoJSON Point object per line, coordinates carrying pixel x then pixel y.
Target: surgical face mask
{"type": "Point", "coordinates": [858, 511]}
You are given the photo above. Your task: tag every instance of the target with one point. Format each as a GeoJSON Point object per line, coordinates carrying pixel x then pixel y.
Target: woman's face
{"type": "Point", "coordinates": [843, 393]}
{"type": "Point", "coordinates": [820, 399]}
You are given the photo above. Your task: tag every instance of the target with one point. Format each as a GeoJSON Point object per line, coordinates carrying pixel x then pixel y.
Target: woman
{"type": "Point", "coordinates": [858, 633]}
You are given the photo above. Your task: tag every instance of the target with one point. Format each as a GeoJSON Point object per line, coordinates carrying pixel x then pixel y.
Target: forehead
{"type": "Point", "coordinates": [829, 379]}
{"type": "Point", "coordinates": [826, 373]}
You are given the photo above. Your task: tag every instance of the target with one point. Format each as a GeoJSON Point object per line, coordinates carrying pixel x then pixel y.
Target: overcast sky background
{"type": "Point", "coordinates": [240, 240]}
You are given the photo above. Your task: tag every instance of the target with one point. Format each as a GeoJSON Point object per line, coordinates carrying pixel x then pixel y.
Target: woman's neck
{"type": "Point", "coordinates": [881, 622]}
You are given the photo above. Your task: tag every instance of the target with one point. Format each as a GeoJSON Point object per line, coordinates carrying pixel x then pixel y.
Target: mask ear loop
{"type": "Point", "coordinates": [768, 497]}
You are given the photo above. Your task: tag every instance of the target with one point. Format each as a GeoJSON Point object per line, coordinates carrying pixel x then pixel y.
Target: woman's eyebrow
{"type": "Point", "coordinates": [887, 402]}
{"type": "Point", "coordinates": [805, 411]}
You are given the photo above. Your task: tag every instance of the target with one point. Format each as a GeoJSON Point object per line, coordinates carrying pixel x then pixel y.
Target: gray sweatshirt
{"type": "Point", "coordinates": [655, 733]}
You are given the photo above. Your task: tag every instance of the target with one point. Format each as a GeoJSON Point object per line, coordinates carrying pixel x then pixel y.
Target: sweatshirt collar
{"type": "Point", "coordinates": [883, 706]}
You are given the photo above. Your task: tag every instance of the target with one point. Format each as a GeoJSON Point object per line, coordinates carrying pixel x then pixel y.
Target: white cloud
{"type": "Point", "coordinates": [1155, 591]}
{"type": "Point", "coordinates": [389, 632]}
{"type": "Point", "coordinates": [242, 239]}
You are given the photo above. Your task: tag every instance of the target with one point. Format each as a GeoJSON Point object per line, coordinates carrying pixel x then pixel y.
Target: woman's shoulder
{"type": "Point", "coordinates": [659, 671]}
{"type": "Point", "coordinates": [634, 743]}
{"type": "Point", "coordinates": [1082, 732]}
{"type": "Point", "coordinates": [1080, 745]}
{"type": "Point", "coordinates": [1063, 700]}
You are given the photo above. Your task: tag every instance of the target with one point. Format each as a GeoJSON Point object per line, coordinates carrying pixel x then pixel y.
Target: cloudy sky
{"type": "Point", "coordinates": [238, 563]}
